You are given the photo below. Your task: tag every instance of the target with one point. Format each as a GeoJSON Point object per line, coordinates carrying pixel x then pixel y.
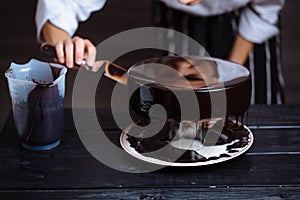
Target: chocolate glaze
{"type": "Point", "coordinates": [237, 88]}
{"type": "Point", "coordinates": [45, 118]}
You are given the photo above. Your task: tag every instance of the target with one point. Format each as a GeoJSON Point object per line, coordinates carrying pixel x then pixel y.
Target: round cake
{"type": "Point", "coordinates": [155, 81]}
{"type": "Point", "coordinates": [210, 79]}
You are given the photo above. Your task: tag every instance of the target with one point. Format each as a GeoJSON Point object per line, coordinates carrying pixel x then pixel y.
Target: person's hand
{"type": "Point", "coordinates": [189, 2]}
{"type": "Point", "coordinates": [75, 50]}
{"type": "Point", "coordinates": [69, 50]}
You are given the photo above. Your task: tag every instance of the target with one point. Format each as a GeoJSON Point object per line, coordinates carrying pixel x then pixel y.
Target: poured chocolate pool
{"type": "Point", "coordinates": [232, 137]}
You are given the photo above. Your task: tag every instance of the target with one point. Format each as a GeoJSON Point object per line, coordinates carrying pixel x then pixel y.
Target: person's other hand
{"type": "Point", "coordinates": [75, 50]}
{"type": "Point", "coordinates": [189, 2]}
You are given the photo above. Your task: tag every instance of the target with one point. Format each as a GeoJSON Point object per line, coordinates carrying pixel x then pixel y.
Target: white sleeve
{"type": "Point", "coordinates": [64, 14]}
{"type": "Point", "coordinates": [259, 19]}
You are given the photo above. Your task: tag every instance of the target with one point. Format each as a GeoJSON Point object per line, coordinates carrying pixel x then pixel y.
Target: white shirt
{"type": "Point", "coordinates": [65, 14]}
{"type": "Point", "coordinates": [257, 23]}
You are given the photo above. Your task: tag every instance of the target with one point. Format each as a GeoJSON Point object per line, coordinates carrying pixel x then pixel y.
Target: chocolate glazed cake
{"type": "Point", "coordinates": [226, 83]}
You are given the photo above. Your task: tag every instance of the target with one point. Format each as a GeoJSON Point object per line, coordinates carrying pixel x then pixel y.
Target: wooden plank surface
{"type": "Point", "coordinates": [272, 161]}
{"type": "Point", "coordinates": [241, 193]}
{"type": "Point", "coordinates": [257, 117]}
{"type": "Point", "coordinates": [85, 172]}
{"type": "Point", "coordinates": [274, 115]}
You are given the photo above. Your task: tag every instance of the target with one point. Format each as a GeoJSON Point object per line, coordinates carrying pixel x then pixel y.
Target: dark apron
{"type": "Point", "coordinates": [216, 34]}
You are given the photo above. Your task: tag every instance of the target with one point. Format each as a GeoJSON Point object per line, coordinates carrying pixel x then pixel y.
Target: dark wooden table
{"type": "Point", "coordinates": [269, 170]}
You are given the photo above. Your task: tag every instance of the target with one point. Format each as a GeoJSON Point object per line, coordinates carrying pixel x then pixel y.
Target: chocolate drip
{"type": "Point", "coordinates": [233, 134]}
{"type": "Point", "coordinates": [55, 71]}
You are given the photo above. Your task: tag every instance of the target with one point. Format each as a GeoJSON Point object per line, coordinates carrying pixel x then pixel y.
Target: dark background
{"type": "Point", "coordinates": [18, 43]}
